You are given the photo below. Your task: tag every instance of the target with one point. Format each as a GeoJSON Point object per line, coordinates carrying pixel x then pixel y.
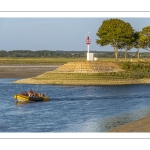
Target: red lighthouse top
{"type": "Point", "coordinates": [88, 40]}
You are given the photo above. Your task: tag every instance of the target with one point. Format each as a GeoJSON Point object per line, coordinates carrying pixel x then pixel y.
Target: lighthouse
{"type": "Point", "coordinates": [90, 56]}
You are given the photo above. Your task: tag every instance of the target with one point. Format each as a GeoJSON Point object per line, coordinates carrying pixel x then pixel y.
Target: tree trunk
{"type": "Point", "coordinates": [138, 54]}
{"type": "Point", "coordinates": [125, 54]}
{"type": "Point", "coordinates": [116, 53]}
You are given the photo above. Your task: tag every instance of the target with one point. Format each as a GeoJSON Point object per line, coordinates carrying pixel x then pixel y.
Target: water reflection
{"type": "Point", "coordinates": [20, 103]}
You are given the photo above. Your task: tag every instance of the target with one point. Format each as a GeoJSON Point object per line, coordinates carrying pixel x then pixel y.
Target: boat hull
{"type": "Point", "coordinates": [22, 98]}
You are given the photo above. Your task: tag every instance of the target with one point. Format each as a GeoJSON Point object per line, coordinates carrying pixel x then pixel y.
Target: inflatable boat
{"type": "Point", "coordinates": [22, 98]}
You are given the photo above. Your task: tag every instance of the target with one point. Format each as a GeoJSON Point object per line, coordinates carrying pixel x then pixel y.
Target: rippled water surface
{"type": "Point", "coordinates": [72, 108]}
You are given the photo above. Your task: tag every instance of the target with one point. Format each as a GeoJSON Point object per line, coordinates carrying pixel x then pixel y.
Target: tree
{"type": "Point", "coordinates": [145, 38]}
{"type": "Point", "coordinates": [116, 33]}
{"type": "Point", "coordinates": [127, 47]}
{"type": "Point", "coordinates": [139, 42]}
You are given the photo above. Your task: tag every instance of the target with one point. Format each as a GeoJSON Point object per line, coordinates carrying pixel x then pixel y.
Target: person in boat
{"type": "Point", "coordinates": [40, 95]}
{"type": "Point", "coordinates": [24, 93]}
{"type": "Point", "coordinates": [34, 94]}
{"type": "Point", "coordinates": [30, 93]}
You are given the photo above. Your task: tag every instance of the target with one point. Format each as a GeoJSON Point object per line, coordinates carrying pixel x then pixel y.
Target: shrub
{"type": "Point", "coordinates": [126, 65]}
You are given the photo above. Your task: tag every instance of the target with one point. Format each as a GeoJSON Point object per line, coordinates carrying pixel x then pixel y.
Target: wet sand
{"type": "Point", "coordinates": [141, 125]}
{"type": "Point", "coordinates": [24, 71]}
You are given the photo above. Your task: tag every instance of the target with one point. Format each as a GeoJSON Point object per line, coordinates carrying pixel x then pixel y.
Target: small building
{"type": "Point", "coordinates": [90, 56]}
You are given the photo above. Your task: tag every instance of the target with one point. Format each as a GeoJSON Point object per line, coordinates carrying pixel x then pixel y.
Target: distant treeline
{"type": "Point", "coordinates": [41, 53]}
{"type": "Point", "coordinates": [67, 54]}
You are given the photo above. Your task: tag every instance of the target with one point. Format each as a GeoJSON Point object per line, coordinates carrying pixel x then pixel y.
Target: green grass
{"type": "Point", "coordinates": [38, 60]}
{"type": "Point", "coordinates": [60, 60]}
{"type": "Point", "coordinates": [82, 79]}
{"type": "Point", "coordinates": [79, 76]}
{"type": "Point", "coordinates": [123, 60]}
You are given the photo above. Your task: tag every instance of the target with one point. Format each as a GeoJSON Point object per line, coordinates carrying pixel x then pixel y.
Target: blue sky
{"type": "Point", "coordinates": [55, 33]}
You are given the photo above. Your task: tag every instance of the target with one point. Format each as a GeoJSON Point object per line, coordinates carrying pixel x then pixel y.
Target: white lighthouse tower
{"type": "Point", "coordinates": [90, 56]}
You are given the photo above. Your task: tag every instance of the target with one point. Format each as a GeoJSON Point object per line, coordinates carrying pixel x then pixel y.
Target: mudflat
{"type": "Point", "coordinates": [24, 71]}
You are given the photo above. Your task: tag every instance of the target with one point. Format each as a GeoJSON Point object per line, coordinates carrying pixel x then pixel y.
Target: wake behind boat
{"type": "Point", "coordinates": [30, 97]}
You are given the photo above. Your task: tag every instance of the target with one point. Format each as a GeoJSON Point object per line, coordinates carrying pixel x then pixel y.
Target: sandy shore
{"type": "Point", "coordinates": [24, 71]}
{"type": "Point", "coordinates": [141, 125]}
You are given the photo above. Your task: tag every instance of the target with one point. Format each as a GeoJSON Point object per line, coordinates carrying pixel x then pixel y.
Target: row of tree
{"type": "Point", "coordinates": [41, 53]}
{"type": "Point", "coordinates": [121, 35]}
{"type": "Point", "coordinates": [69, 54]}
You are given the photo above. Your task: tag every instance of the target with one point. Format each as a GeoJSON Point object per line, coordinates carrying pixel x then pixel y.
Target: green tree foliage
{"type": "Point", "coordinates": [141, 41]}
{"type": "Point", "coordinates": [145, 38]}
{"type": "Point", "coordinates": [138, 42]}
{"type": "Point", "coordinates": [116, 33]}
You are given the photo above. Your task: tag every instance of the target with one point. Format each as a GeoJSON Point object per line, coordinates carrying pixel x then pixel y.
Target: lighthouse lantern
{"type": "Point", "coordinates": [90, 56]}
{"type": "Point", "coordinates": [88, 40]}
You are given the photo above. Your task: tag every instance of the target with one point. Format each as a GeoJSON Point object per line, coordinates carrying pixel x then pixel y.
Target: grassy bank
{"type": "Point", "coordinates": [84, 79]}
{"type": "Point", "coordinates": [129, 73]}
{"type": "Point", "coordinates": [89, 78]}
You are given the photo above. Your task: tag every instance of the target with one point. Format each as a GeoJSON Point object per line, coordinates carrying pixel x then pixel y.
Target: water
{"type": "Point", "coordinates": [72, 108]}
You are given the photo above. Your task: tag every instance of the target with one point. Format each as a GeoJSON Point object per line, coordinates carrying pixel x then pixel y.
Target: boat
{"type": "Point", "coordinates": [23, 98]}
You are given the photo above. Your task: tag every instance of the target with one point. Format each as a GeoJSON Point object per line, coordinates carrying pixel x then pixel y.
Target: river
{"type": "Point", "coordinates": [72, 108]}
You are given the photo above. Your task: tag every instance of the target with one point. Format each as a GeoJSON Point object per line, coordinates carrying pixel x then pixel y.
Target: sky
{"type": "Point", "coordinates": [56, 33]}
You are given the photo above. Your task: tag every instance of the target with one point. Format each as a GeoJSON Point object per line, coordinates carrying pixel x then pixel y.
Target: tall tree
{"type": "Point", "coordinates": [115, 32]}
{"type": "Point", "coordinates": [139, 42]}
{"type": "Point", "coordinates": [127, 47]}
{"type": "Point", "coordinates": [145, 38]}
